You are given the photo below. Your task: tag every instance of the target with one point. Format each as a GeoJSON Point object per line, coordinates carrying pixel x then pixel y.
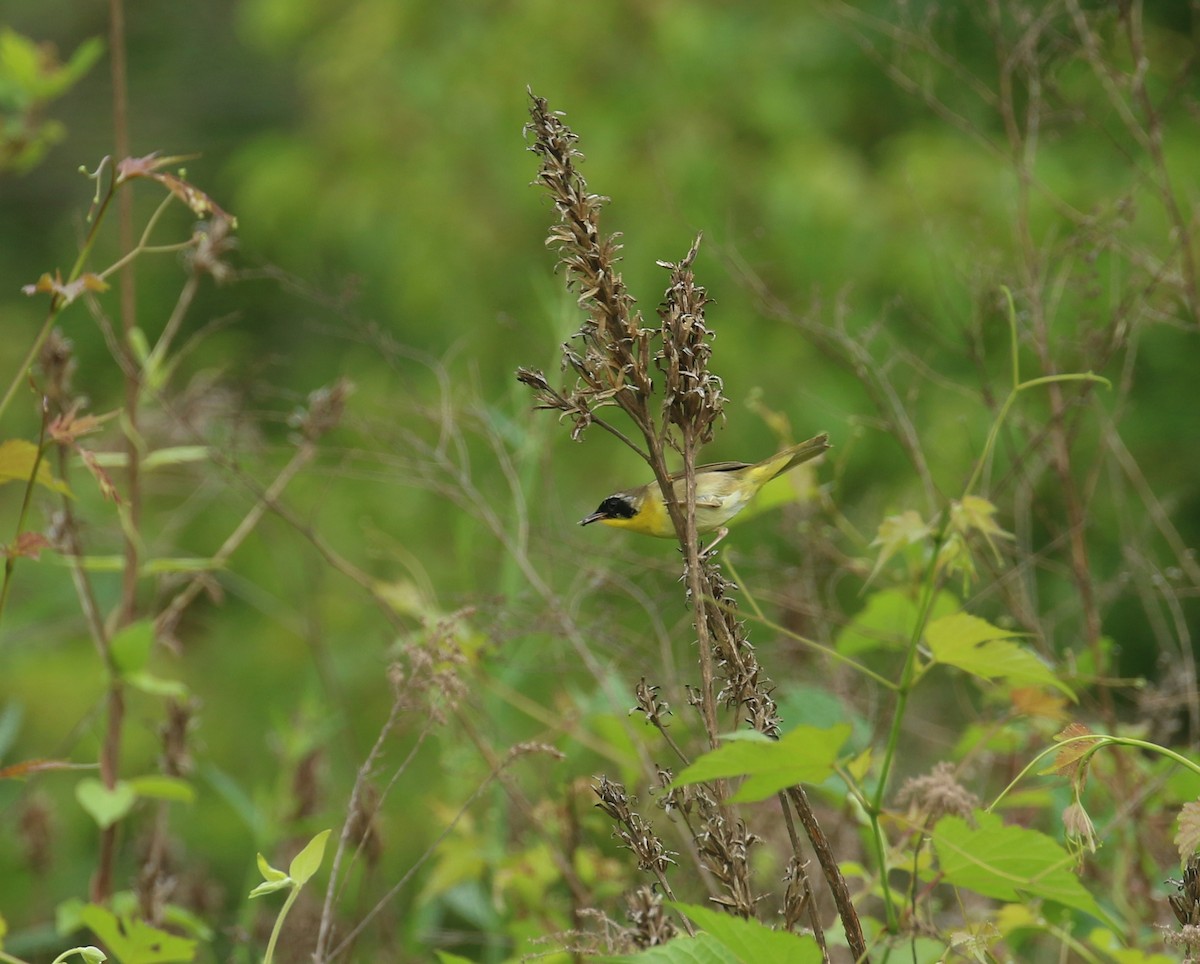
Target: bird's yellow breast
{"type": "Point", "coordinates": [719, 497]}
{"type": "Point", "coordinates": [651, 519]}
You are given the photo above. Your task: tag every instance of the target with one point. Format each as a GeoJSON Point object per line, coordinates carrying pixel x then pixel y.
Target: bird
{"type": "Point", "coordinates": [723, 489]}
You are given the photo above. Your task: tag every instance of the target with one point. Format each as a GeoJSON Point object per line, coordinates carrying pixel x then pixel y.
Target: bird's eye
{"type": "Point", "coordinates": [616, 507]}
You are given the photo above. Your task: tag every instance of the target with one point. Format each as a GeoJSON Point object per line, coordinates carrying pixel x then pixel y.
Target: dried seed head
{"type": "Point", "coordinates": [612, 361]}
{"type": "Point", "coordinates": [937, 793]}
{"type": "Point", "coordinates": [655, 710]}
{"type": "Point", "coordinates": [692, 397]}
{"type": "Point", "coordinates": [798, 894]}
{"type": "Point", "coordinates": [1186, 903]}
{"type": "Point", "coordinates": [212, 241]}
{"type": "Point", "coordinates": [632, 830]}
{"type": "Point", "coordinates": [650, 925]}
{"type": "Point", "coordinates": [724, 847]}
{"type": "Point", "coordinates": [326, 406]}
{"type": "Point", "coordinates": [57, 362]}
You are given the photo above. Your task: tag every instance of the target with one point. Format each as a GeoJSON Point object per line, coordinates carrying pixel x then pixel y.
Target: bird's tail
{"type": "Point", "coordinates": [804, 451]}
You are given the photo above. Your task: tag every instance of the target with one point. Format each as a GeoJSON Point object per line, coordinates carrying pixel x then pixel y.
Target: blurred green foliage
{"type": "Point", "coordinates": [852, 189]}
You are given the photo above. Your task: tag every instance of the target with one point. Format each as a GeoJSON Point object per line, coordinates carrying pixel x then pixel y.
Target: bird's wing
{"type": "Point", "coordinates": [714, 467]}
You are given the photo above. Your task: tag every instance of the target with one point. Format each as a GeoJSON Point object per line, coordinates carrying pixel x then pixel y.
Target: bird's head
{"type": "Point", "coordinates": [616, 510]}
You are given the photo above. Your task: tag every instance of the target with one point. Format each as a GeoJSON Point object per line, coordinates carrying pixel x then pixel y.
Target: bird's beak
{"type": "Point", "coordinates": [594, 517]}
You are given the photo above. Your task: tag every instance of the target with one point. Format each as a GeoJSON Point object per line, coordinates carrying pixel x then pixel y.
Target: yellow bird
{"type": "Point", "coordinates": [723, 489]}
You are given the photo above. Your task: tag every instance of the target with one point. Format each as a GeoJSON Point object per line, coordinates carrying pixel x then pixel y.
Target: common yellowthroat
{"type": "Point", "coordinates": [723, 489]}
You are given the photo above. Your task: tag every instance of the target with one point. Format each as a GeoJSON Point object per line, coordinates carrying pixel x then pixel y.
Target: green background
{"type": "Point", "coordinates": [856, 234]}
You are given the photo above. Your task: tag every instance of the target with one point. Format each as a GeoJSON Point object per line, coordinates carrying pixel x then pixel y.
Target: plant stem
{"type": "Point", "coordinates": [293, 893]}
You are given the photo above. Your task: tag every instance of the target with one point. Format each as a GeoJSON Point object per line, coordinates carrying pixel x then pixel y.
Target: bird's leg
{"type": "Point", "coordinates": [721, 534]}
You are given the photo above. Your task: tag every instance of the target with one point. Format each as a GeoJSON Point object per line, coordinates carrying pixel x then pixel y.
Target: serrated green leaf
{"type": "Point", "coordinates": [105, 806]}
{"type": "Point", "coordinates": [747, 736]}
{"type": "Point", "coordinates": [1009, 863]}
{"type": "Point", "coordinates": [701, 949]}
{"type": "Point", "coordinates": [135, 942]}
{"type": "Point", "coordinates": [164, 788]}
{"type": "Point", "coordinates": [308, 861]}
{"type": "Point", "coordinates": [981, 649]}
{"type": "Point", "coordinates": [130, 646]}
{"type": "Point", "coordinates": [804, 755]}
{"type": "Point", "coordinates": [750, 941]}
{"type": "Point", "coordinates": [888, 621]}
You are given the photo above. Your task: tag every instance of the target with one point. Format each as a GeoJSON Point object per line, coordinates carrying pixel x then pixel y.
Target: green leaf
{"type": "Point", "coordinates": [270, 886]}
{"type": "Point", "coordinates": [1115, 950]}
{"type": "Point", "coordinates": [804, 755]}
{"type": "Point", "coordinates": [185, 921]}
{"type": "Point", "coordinates": [445, 957]}
{"type": "Point", "coordinates": [138, 345]}
{"type": "Point", "coordinates": [135, 942]}
{"type": "Point", "coordinates": [268, 872]}
{"type": "Point", "coordinates": [131, 646]}
{"type": "Point", "coordinates": [90, 954]}
{"type": "Point", "coordinates": [308, 861]}
{"type": "Point", "coordinates": [157, 567]}
{"type": "Point", "coordinates": [20, 63]}
{"type": "Point", "coordinates": [153, 685]}
{"type": "Point", "coordinates": [239, 801]}
{"type": "Point", "coordinates": [701, 949]}
{"type": "Point", "coordinates": [68, 916]}
{"type": "Point", "coordinates": [273, 879]}
{"type": "Point", "coordinates": [103, 805]}
{"type": "Point", "coordinates": [17, 459]}
{"type": "Point", "coordinates": [750, 941]}
{"type": "Point", "coordinates": [176, 455]}
{"type": "Point", "coordinates": [164, 788]}
{"type": "Point", "coordinates": [888, 621]}
{"type": "Point", "coordinates": [86, 54]}
{"type": "Point", "coordinates": [898, 532]}
{"type": "Point", "coordinates": [981, 649]}
{"type": "Point", "coordinates": [1009, 863]}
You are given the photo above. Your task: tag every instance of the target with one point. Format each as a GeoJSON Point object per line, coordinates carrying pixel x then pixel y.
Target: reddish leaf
{"type": "Point", "coordinates": [28, 545]}
{"type": "Point", "coordinates": [69, 426]}
{"type": "Point", "coordinates": [146, 166]}
{"type": "Point", "coordinates": [107, 489]}
{"type": "Point", "coordinates": [19, 771]}
{"type": "Point", "coordinates": [201, 204]}
{"type": "Point", "coordinates": [1067, 760]}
